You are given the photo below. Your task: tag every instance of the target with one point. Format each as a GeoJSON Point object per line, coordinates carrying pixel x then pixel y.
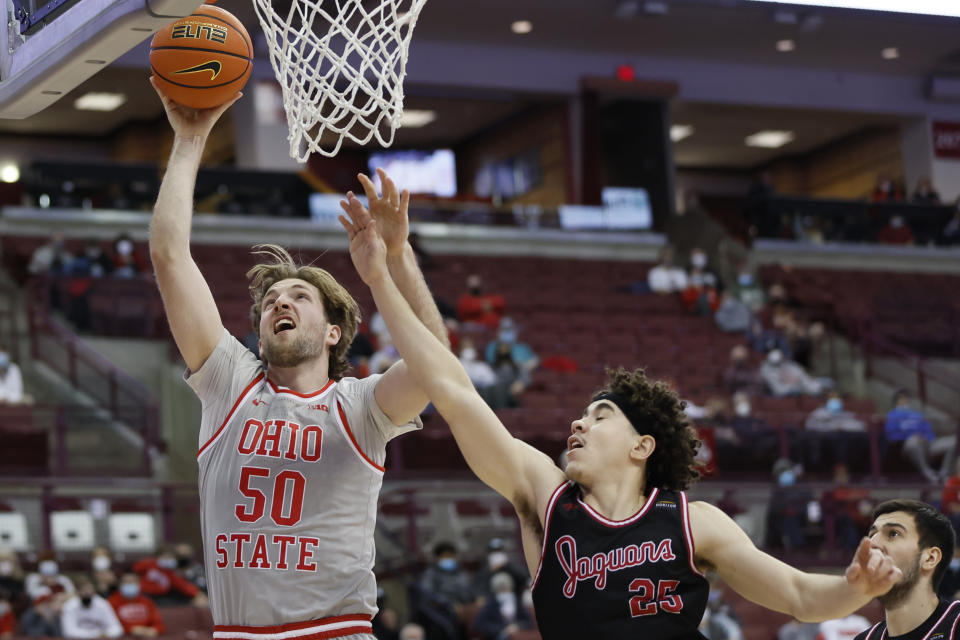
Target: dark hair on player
{"type": "Point", "coordinates": [933, 530]}
{"type": "Point", "coordinates": [657, 411]}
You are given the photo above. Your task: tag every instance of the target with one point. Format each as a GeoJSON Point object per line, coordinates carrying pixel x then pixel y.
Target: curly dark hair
{"type": "Point", "coordinates": [660, 413]}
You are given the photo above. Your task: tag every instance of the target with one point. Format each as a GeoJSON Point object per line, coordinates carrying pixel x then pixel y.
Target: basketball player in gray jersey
{"type": "Point", "coordinates": [291, 452]}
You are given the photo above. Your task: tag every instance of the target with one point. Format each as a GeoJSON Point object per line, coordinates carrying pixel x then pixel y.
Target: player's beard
{"type": "Point", "coordinates": [305, 346]}
{"type": "Point", "coordinates": [899, 592]}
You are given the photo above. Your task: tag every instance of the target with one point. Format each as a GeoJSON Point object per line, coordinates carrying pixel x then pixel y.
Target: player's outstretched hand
{"type": "Point", "coordinates": [367, 247]}
{"type": "Point", "coordinates": [872, 572]}
{"type": "Point", "coordinates": [188, 122]}
{"type": "Point", "coordinates": [390, 211]}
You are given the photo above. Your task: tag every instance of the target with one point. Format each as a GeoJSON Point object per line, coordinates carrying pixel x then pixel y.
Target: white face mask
{"type": "Point", "coordinates": [742, 409]}
{"type": "Point", "coordinates": [698, 260]}
{"type": "Point", "coordinates": [124, 247]}
{"type": "Point", "coordinates": [48, 568]}
{"type": "Point", "coordinates": [6, 568]}
{"type": "Point", "coordinates": [496, 559]}
{"type": "Point", "coordinates": [101, 563]}
{"type": "Point", "coordinates": [167, 563]}
{"type": "Point", "coordinates": [469, 354]}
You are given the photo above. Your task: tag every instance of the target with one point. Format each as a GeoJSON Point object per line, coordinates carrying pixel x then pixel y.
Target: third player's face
{"type": "Point", "coordinates": [600, 443]}
{"type": "Point", "coordinates": [293, 326]}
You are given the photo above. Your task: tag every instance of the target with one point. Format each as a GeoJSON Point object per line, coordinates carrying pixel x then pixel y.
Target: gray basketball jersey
{"type": "Point", "coordinates": [288, 491]}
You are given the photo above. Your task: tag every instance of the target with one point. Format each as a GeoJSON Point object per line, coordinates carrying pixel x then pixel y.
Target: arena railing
{"type": "Point", "coordinates": [126, 399]}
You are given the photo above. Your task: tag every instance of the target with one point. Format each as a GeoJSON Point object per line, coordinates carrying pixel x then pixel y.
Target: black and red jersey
{"type": "Point", "coordinates": [940, 625]}
{"type": "Point", "coordinates": [633, 578]}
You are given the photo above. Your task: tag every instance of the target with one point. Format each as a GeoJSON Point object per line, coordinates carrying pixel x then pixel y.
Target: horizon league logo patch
{"type": "Point", "coordinates": [665, 503]}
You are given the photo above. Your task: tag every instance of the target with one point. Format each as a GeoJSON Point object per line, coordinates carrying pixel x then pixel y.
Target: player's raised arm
{"type": "Point", "coordinates": [507, 465]}
{"type": "Point", "coordinates": [722, 545]}
{"type": "Point", "coordinates": [397, 393]}
{"type": "Point", "coordinates": [191, 310]}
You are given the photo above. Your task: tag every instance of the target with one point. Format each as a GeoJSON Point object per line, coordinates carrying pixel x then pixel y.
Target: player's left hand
{"type": "Point", "coordinates": [390, 211]}
{"type": "Point", "coordinates": [872, 572]}
{"type": "Point", "coordinates": [367, 247]}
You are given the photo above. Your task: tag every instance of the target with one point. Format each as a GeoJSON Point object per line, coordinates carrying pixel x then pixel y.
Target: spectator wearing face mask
{"type": "Point", "coordinates": [748, 291]}
{"type": "Point", "coordinates": [87, 615]}
{"type": "Point", "coordinates": [441, 592]}
{"type": "Point", "coordinates": [127, 262]}
{"type": "Point", "coordinates": [104, 579]}
{"type": "Point", "coordinates": [503, 613]}
{"type": "Point", "coordinates": [909, 430]}
{"type": "Point", "coordinates": [160, 580]}
{"type": "Point", "coordinates": [507, 343]}
{"type": "Point", "coordinates": [666, 277]}
{"type": "Point", "coordinates": [11, 579]}
{"type": "Point", "coordinates": [136, 612]}
{"type": "Point", "coordinates": [11, 380]}
{"type": "Point", "coordinates": [498, 561]}
{"type": "Point", "coordinates": [740, 375]}
{"type": "Point", "coordinates": [483, 377]}
{"type": "Point", "coordinates": [721, 620]}
{"type": "Point", "coordinates": [743, 441]}
{"type": "Point", "coordinates": [786, 378]}
{"type": "Point", "coordinates": [896, 232]}
{"type": "Point", "coordinates": [188, 566]}
{"type": "Point", "coordinates": [480, 308]}
{"type": "Point", "coordinates": [42, 619]}
{"type": "Point", "coordinates": [787, 511]}
{"type": "Point", "coordinates": [841, 433]}
{"type": "Point", "coordinates": [47, 580]}
{"type": "Point", "coordinates": [886, 190]}
{"type": "Point", "coordinates": [702, 294]}
{"type": "Point", "coordinates": [51, 258]}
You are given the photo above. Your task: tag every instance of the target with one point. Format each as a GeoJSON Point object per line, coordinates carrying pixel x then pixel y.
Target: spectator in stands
{"type": "Point", "coordinates": [740, 375]}
{"type": "Point", "coordinates": [732, 315]}
{"type": "Point", "coordinates": [886, 190]}
{"type": "Point", "coordinates": [47, 580]}
{"type": "Point", "coordinates": [847, 509]}
{"type": "Point", "coordinates": [803, 337]}
{"type": "Point", "coordinates": [8, 620]}
{"type": "Point", "coordinates": [787, 512]}
{"type": "Point", "coordinates": [843, 628]}
{"type": "Point", "coordinates": [479, 308]}
{"type": "Point", "coordinates": [925, 193]}
{"type": "Point", "coordinates": [507, 342]}
{"type": "Point", "coordinates": [915, 436]}
{"type": "Point", "coordinates": [87, 615]}
{"type": "Point", "coordinates": [386, 625]}
{"type": "Point", "coordinates": [188, 566]}
{"type": "Point", "coordinates": [11, 579]}
{"type": "Point", "coordinates": [412, 631]}
{"type": "Point", "coordinates": [136, 612]}
{"type": "Point", "coordinates": [498, 561]}
{"type": "Point", "coordinates": [950, 585]}
{"type": "Point", "coordinates": [722, 622]}
{"type": "Point", "coordinates": [104, 579]}
{"type": "Point", "coordinates": [51, 258]}
{"type": "Point", "coordinates": [442, 591]}
{"type": "Point", "coordinates": [127, 262]}
{"type": "Point", "coordinates": [896, 232]}
{"type": "Point", "coordinates": [160, 579]}
{"type": "Point", "coordinates": [839, 432]}
{"type": "Point", "coordinates": [42, 619]}
{"type": "Point", "coordinates": [786, 378]}
{"type": "Point", "coordinates": [483, 377]}
{"type": "Point", "coordinates": [11, 380]}
{"type": "Point", "coordinates": [950, 498]}
{"type": "Point", "coordinates": [747, 290]}
{"type": "Point", "coordinates": [502, 614]}
{"type": "Point", "coordinates": [92, 263]}
{"type": "Point", "coordinates": [666, 277]}
{"type": "Point", "coordinates": [951, 232]}
{"type": "Point", "coordinates": [385, 356]}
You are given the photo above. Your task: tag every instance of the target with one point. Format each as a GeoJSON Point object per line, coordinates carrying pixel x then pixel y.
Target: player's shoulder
{"type": "Point", "coordinates": [875, 631]}
{"type": "Point", "coordinates": [350, 386]}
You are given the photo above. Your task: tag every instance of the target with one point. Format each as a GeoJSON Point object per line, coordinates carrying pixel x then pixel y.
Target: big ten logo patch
{"type": "Point", "coordinates": [200, 31]}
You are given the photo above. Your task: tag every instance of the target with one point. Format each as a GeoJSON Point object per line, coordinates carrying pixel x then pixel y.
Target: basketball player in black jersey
{"type": "Point", "coordinates": [616, 549]}
{"type": "Point", "coordinates": [920, 540]}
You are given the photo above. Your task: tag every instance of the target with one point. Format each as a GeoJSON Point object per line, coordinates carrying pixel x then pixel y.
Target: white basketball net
{"type": "Point", "coordinates": [341, 68]}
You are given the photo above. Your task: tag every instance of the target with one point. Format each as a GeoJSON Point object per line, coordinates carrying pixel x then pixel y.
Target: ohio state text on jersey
{"type": "Point", "coordinates": [632, 578]}
{"type": "Point", "coordinates": [288, 490]}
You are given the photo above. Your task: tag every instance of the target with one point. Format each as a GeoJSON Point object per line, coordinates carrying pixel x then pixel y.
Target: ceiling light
{"type": "Point", "coordinates": [890, 53]}
{"type": "Point", "coordinates": [680, 131]}
{"type": "Point", "coordinates": [414, 118]}
{"type": "Point", "coordinates": [785, 46]}
{"type": "Point", "coordinates": [522, 26]}
{"type": "Point", "coordinates": [769, 139]}
{"type": "Point", "coordinates": [9, 172]}
{"type": "Point", "coordinates": [99, 101]}
{"type": "Point", "coordinates": [926, 7]}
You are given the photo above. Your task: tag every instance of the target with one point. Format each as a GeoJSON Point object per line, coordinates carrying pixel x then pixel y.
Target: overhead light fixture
{"type": "Point", "coordinates": [9, 172]}
{"type": "Point", "coordinates": [680, 131]}
{"type": "Point", "coordinates": [785, 46]}
{"type": "Point", "coordinates": [890, 53]}
{"type": "Point", "coordinates": [414, 118]}
{"type": "Point", "coordinates": [521, 26]}
{"type": "Point", "coordinates": [769, 139]}
{"type": "Point", "coordinates": [99, 101]}
{"type": "Point", "coordinates": [949, 8]}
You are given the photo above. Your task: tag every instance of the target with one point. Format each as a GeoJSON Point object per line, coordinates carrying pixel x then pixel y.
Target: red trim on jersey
{"type": "Point", "coordinates": [942, 618]}
{"type": "Point", "coordinates": [546, 528]}
{"type": "Point", "coordinates": [953, 629]}
{"type": "Point", "coordinates": [872, 629]}
{"type": "Point", "coordinates": [292, 626]}
{"type": "Point", "coordinates": [306, 396]}
{"type": "Point", "coordinates": [688, 534]}
{"type": "Point", "coordinates": [233, 410]}
{"type": "Point", "coordinates": [620, 523]}
{"type": "Point", "coordinates": [346, 426]}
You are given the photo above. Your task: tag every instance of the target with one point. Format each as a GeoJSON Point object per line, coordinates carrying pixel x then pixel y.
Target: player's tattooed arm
{"type": "Point", "coordinates": [722, 545]}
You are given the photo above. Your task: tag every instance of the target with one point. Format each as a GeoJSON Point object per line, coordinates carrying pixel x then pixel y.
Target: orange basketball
{"type": "Point", "coordinates": [202, 60]}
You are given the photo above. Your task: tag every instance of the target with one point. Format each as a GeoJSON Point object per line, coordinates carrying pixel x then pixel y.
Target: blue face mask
{"type": "Point", "coordinates": [130, 590]}
{"type": "Point", "coordinates": [786, 478]}
{"type": "Point", "coordinates": [508, 336]}
{"type": "Point", "coordinates": [834, 405]}
{"type": "Point", "coordinates": [4, 360]}
{"type": "Point", "coordinates": [745, 279]}
{"type": "Point", "coordinates": [447, 564]}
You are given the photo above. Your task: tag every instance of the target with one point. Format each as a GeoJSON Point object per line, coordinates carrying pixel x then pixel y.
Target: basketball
{"type": "Point", "coordinates": [202, 60]}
